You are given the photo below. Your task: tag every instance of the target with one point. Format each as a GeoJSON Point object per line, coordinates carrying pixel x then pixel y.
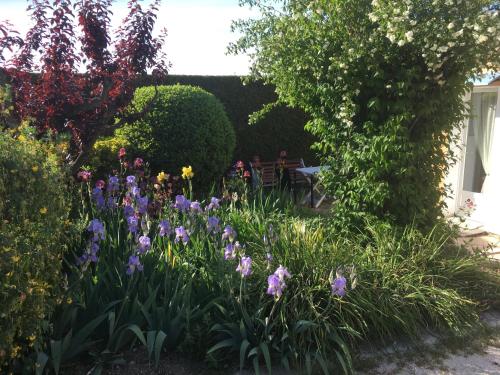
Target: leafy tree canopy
{"type": "Point", "coordinates": [383, 82]}
{"type": "Point", "coordinates": [85, 77]}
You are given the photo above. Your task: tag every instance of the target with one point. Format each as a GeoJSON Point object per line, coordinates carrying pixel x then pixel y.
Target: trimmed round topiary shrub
{"type": "Point", "coordinates": [34, 209]}
{"type": "Point", "coordinates": [186, 126]}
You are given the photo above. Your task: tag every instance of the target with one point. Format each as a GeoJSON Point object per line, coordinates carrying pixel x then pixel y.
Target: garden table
{"type": "Point", "coordinates": [310, 174]}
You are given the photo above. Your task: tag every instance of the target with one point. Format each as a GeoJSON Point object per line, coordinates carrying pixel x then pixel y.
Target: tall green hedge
{"type": "Point", "coordinates": [281, 129]}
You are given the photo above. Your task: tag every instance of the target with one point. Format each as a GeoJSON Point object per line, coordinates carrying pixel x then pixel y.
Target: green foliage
{"type": "Point", "coordinates": [383, 83]}
{"type": "Point", "coordinates": [281, 129]}
{"type": "Point", "coordinates": [105, 153]}
{"type": "Point", "coordinates": [34, 227]}
{"type": "Point", "coordinates": [186, 126]}
{"type": "Point", "coordinates": [189, 298]}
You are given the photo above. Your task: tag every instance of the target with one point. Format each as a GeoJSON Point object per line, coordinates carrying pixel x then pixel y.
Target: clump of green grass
{"type": "Point", "coordinates": [399, 282]}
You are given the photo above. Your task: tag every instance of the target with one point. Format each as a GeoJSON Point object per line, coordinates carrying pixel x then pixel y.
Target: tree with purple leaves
{"type": "Point", "coordinates": [85, 78]}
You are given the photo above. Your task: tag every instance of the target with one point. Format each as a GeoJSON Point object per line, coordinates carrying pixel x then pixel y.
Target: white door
{"type": "Point", "coordinates": [481, 164]}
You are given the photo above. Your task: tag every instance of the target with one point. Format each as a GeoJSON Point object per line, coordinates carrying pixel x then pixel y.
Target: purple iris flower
{"type": "Point", "coordinates": [98, 197]}
{"type": "Point", "coordinates": [282, 272]}
{"type": "Point", "coordinates": [276, 281]}
{"type": "Point", "coordinates": [196, 207]}
{"type": "Point", "coordinates": [133, 264]}
{"type": "Point", "coordinates": [181, 234]}
{"type": "Point", "coordinates": [229, 233]}
{"type": "Point", "coordinates": [144, 244]}
{"type": "Point", "coordinates": [113, 184]}
{"type": "Point", "coordinates": [275, 286]}
{"type": "Point", "coordinates": [128, 210]}
{"type": "Point", "coordinates": [94, 248]}
{"type": "Point", "coordinates": [142, 204]}
{"type": "Point", "coordinates": [90, 254]}
{"type": "Point", "coordinates": [245, 266]}
{"type": "Point", "coordinates": [214, 204]}
{"type": "Point", "coordinates": [132, 224]}
{"type": "Point", "coordinates": [338, 286]}
{"type": "Point", "coordinates": [97, 228]}
{"type": "Point", "coordinates": [181, 203]}
{"type": "Point", "coordinates": [130, 180]}
{"type": "Point", "coordinates": [213, 224]}
{"type": "Point", "coordinates": [229, 252]}
{"type": "Point", "coordinates": [165, 228]}
{"type": "Point", "coordinates": [135, 191]}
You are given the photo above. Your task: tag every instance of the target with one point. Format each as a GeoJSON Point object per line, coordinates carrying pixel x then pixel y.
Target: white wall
{"type": "Point", "coordinates": [487, 212]}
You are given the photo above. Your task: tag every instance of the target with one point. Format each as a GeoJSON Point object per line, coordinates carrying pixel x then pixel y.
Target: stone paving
{"type": "Point", "coordinates": [486, 241]}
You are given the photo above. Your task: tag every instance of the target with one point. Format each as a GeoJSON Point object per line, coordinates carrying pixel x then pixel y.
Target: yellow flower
{"type": "Point", "coordinates": [22, 138]}
{"type": "Point", "coordinates": [161, 177]}
{"type": "Point", "coordinates": [187, 173]}
{"type": "Point", "coordinates": [63, 147]}
{"type": "Point", "coordinates": [34, 168]}
{"type": "Point", "coordinates": [15, 351]}
{"type": "Point", "coordinates": [43, 210]}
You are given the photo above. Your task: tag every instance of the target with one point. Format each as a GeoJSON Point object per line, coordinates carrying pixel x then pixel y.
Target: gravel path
{"type": "Point", "coordinates": [480, 356]}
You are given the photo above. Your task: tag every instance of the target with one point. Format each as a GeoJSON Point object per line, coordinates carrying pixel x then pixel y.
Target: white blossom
{"type": "Point", "coordinates": [482, 38]}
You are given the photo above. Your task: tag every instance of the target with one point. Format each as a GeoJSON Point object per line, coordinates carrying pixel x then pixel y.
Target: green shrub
{"type": "Point", "coordinates": [385, 98]}
{"type": "Point", "coordinates": [34, 209]}
{"type": "Point", "coordinates": [104, 155]}
{"type": "Point", "coordinates": [186, 126]}
{"type": "Point", "coordinates": [281, 129]}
